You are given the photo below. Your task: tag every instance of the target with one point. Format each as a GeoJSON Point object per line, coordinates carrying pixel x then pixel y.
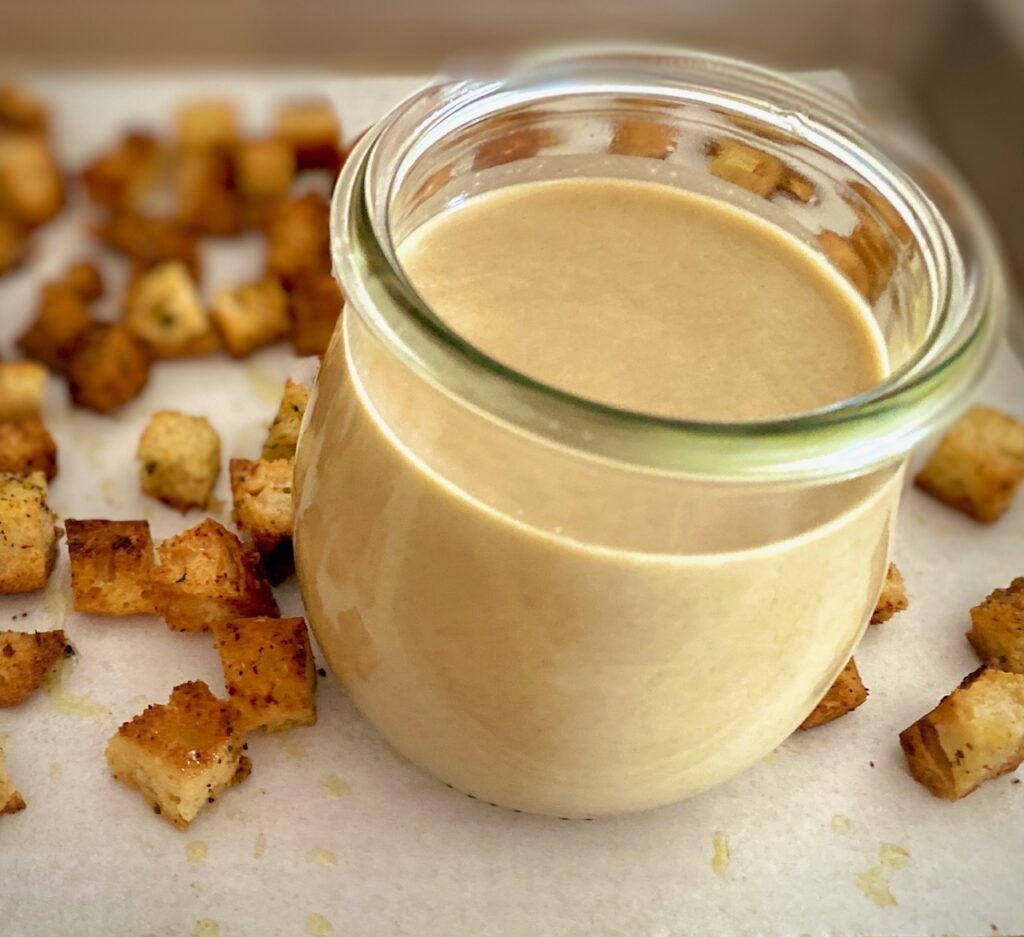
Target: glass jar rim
{"type": "Point", "coordinates": [844, 439]}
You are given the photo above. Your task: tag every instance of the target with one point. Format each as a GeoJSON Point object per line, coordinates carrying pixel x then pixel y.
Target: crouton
{"type": "Point", "coordinates": [845, 695]}
{"type": "Point", "coordinates": [269, 671]}
{"type": "Point", "coordinates": [207, 200]}
{"type": "Point", "coordinates": [22, 384]}
{"type": "Point", "coordinates": [206, 124]}
{"type": "Point", "coordinates": [182, 754]}
{"type": "Point", "coordinates": [26, 446]}
{"type": "Point", "coordinates": [111, 563]}
{"type": "Point", "coordinates": [997, 627]}
{"type": "Point", "coordinates": [121, 178]}
{"type": "Point", "coordinates": [26, 659]}
{"type": "Point", "coordinates": [163, 309]}
{"type": "Point", "coordinates": [14, 243]}
{"type": "Point", "coordinates": [10, 800]}
{"type": "Point", "coordinates": [30, 184]}
{"type": "Point", "coordinates": [262, 496]}
{"type": "Point", "coordinates": [974, 734]}
{"type": "Point", "coordinates": [513, 146]}
{"type": "Point", "coordinates": [61, 320]}
{"type": "Point", "coordinates": [264, 169]}
{"type": "Point", "coordinates": [311, 129]}
{"type": "Point", "coordinates": [978, 465]}
{"type": "Point", "coordinates": [893, 597]}
{"type": "Point", "coordinates": [109, 367]}
{"type": "Point", "coordinates": [284, 431]}
{"type": "Point", "coordinates": [28, 539]}
{"type": "Point", "coordinates": [797, 185]}
{"type": "Point", "coordinates": [22, 110]}
{"type": "Point", "coordinates": [746, 166]}
{"type": "Point", "coordinates": [844, 256]}
{"type": "Point", "coordinates": [85, 280]}
{"type": "Point", "coordinates": [317, 302]}
{"type": "Point", "coordinates": [180, 458]}
{"type": "Point", "coordinates": [884, 209]}
{"type": "Point", "coordinates": [647, 138]}
{"type": "Point", "coordinates": [205, 575]}
{"type": "Point", "coordinates": [297, 239]}
{"type": "Point", "coordinates": [251, 316]}
{"type": "Point", "coordinates": [148, 241]}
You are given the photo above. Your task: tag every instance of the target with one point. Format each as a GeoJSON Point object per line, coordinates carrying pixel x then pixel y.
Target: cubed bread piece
{"type": "Point", "coordinates": [884, 209]}
{"type": "Point", "coordinates": [163, 308]}
{"type": "Point", "coordinates": [975, 733]}
{"type": "Point", "coordinates": [30, 184]}
{"type": "Point", "coordinates": [108, 367]}
{"type": "Point", "coordinates": [997, 627]}
{"type": "Point", "coordinates": [206, 124]}
{"type": "Point", "coordinates": [26, 446]}
{"type": "Point", "coordinates": [269, 671]}
{"type": "Point", "coordinates": [10, 800]}
{"type": "Point", "coordinates": [120, 178]}
{"type": "Point", "coordinates": [298, 239]}
{"type": "Point", "coordinates": [845, 695]}
{"type": "Point", "coordinates": [317, 302]}
{"type": "Point", "coordinates": [26, 658]}
{"type": "Point", "coordinates": [180, 458]}
{"type": "Point", "coordinates": [843, 255]}
{"type": "Point", "coordinates": [206, 575]}
{"type": "Point", "coordinates": [311, 129]}
{"type": "Point", "coordinates": [978, 465]}
{"type": "Point", "coordinates": [207, 199]}
{"type": "Point", "coordinates": [513, 146]}
{"type": "Point", "coordinates": [284, 431]}
{"type": "Point", "coordinates": [85, 280]}
{"type": "Point", "coordinates": [182, 754]}
{"type": "Point", "coordinates": [22, 384]}
{"type": "Point", "coordinates": [251, 316]}
{"type": "Point", "coordinates": [61, 321]}
{"type": "Point", "coordinates": [264, 169]}
{"type": "Point", "coordinates": [647, 138]}
{"type": "Point", "coordinates": [893, 597]}
{"type": "Point", "coordinates": [150, 241]}
{"type": "Point", "coordinates": [262, 495]}
{"type": "Point", "coordinates": [111, 564]}
{"type": "Point", "coordinates": [875, 248]}
{"type": "Point", "coordinates": [28, 539]}
{"type": "Point", "coordinates": [14, 243]}
{"type": "Point", "coordinates": [747, 166]}
{"type": "Point", "coordinates": [20, 109]}
{"type": "Point", "coordinates": [797, 185]}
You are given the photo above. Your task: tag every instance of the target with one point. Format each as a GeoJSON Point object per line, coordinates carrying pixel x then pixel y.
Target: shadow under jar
{"type": "Point", "coordinates": [568, 607]}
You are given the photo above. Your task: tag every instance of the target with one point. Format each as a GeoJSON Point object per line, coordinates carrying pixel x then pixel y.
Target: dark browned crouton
{"type": "Point", "coordinates": [317, 302]}
{"type": "Point", "coordinates": [61, 321]}
{"type": "Point", "coordinates": [297, 239]}
{"type": "Point", "coordinates": [845, 695]}
{"type": "Point", "coordinates": [997, 627]}
{"type": "Point", "coordinates": [111, 563]}
{"type": "Point", "coordinates": [150, 241]}
{"type": "Point", "coordinates": [311, 129]}
{"type": "Point", "coordinates": [26, 446]}
{"type": "Point", "coordinates": [122, 177]}
{"type": "Point", "coordinates": [26, 659]}
{"type": "Point", "coordinates": [109, 367]}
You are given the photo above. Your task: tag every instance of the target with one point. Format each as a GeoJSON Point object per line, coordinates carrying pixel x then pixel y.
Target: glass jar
{"type": "Point", "coordinates": [573, 609]}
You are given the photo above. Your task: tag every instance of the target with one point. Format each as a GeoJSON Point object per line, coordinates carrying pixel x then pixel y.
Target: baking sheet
{"type": "Point", "coordinates": [336, 834]}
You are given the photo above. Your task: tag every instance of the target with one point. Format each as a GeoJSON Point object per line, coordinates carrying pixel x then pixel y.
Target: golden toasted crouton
{"type": "Point", "coordinates": [85, 280]}
{"type": "Point", "coordinates": [297, 239]}
{"type": "Point", "coordinates": [643, 138]}
{"type": "Point", "coordinates": [264, 169]}
{"type": "Point", "coordinates": [26, 659]}
{"type": "Point", "coordinates": [10, 800]}
{"type": "Point", "coordinates": [108, 367]}
{"type": "Point", "coordinates": [251, 316]}
{"type": "Point", "coordinates": [30, 184]}
{"type": "Point", "coordinates": [163, 308]}
{"type": "Point", "coordinates": [269, 671]}
{"type": "Point", "coordinates": [997, 627]}
{"type": "Point", "coordinates": [262, 495]}
{"type": "Point", "coordinates": [797, 185]}
{"type": "Point", "coordinates": [747, 166]}
{"type": "Point", "coordinates": [844, 256]}
{"type": "Point", "coordinates": [978, 465]}
{"type": "Point", "coordinates": [284, 431]}
{"type": "Point", "coordinates": [180, 457]}
{"type": "Point", "coordinates": [150, 241]}
{"type": "Point", "coordinates": [111, 563]}
{"type": "Point", "coordinates": [513, 146]}
{"type": "Point", "coordinates": [312, 131]}
{"type": "Point", "coordinates": [14, 243]}
{"type": "Point", "coordinates": [885, 210]}
{"type": "Point", "coordinates": [975, 733]}
{"type": "Point", "coordinates": [22, 110]}
{"type": "Point", "coordinates": [26, 446]}
{"type": "Point", "coordinates": [893, 597]}
{"type": "Point", "coordinates": [205, 575]}
{"type": "Point", "coordinates": [22, 384]}
{"type": "Point", "coordinates": [63, 318]}
{"type": "Point", "coordinates": [317, 302]}
{"type": "Point", "coordinates": [122, 177]}
{"type": "Point", "coordinates": [209, 123]}
{"type": "Point", "coordinates": [28, 539]}
{"type": "Point", "coordinates": [182, 754]}
{"type": "Point", "coordinates": [207, 200]}
{"type": "Point", "coordinates": [845, 695]}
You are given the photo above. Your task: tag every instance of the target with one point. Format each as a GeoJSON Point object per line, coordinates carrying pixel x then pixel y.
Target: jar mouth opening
{"type": "Point", "coordinates": [843, 438]}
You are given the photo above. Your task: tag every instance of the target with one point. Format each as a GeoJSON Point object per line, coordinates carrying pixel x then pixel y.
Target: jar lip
{"type": "Point", "coordinates": [842, 439]}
